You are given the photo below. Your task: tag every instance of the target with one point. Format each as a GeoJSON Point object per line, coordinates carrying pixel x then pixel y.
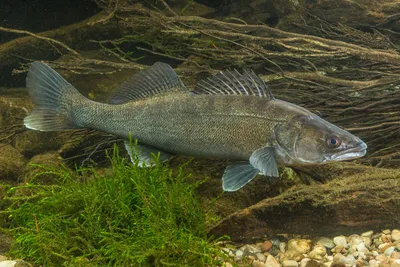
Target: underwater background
{"type": "Point", "coordinates": [74, 199]}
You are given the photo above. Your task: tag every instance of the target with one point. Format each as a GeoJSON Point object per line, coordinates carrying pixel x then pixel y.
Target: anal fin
{"type": "Point", "coordinates": [238, 175]}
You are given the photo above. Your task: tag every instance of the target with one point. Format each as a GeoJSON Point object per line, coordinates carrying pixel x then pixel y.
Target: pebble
{"type": "Point", "coordinates": [318, 252]}
{"type": "Point", "coordinates": [395, 235]}
{"type": "Point", "coordinates": [340, 241]}
{"type": "Point", "coordinates": [386, 231]}
{"type": "Point", "coordinates": [355, 240]}
{"type": "Point", "coordinates": [299, 245]}
{"type": "Point", "coordinates": [303, 262]}
{"type": "Point", "coordinates": [266, 246]}
{"type": "Point", "coordinates": [395, 255]}
{"type": "Point", "coordinates": [381, 258]}
{"type": "Point", "coordinates": [367, 234]}
{"type": "Point", "coordinates": [272, 262]}
{"type": "Point", "coordinates": [227, 264]}
{"type": "Point", "coordinates": [250, 249]}
{"type": "Point", "coordinates": [326, 242]}
{"type": "Point", "coordinates": [7, 263]}
{"type": "Point", "coordinates": [257, 263]}
{"type": "Point", "coordinates": [3, 258]}
{"type": "Point", "coordinates": [282, 247]}
{"type": "Point", "coordinates": [388, 252]}
{"type": "Point", "coordinates": [290, 263]}
{"type": "Point", "coordinates": [260, 257]}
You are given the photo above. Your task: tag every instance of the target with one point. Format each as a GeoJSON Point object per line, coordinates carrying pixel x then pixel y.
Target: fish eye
{"type": "Point", "coordinates": [333, 142]}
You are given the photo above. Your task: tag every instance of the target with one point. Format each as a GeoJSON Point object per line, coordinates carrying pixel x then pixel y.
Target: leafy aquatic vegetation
{"type": "Point", "coordinates": [129, 217]}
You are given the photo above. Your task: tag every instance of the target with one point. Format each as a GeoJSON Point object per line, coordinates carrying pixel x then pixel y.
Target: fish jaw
{"type": "Point", "coordinates": [352, 153]}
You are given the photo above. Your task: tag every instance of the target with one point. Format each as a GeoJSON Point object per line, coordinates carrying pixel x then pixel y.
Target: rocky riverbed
{"type": "Point", "coordinates": [375, 249]}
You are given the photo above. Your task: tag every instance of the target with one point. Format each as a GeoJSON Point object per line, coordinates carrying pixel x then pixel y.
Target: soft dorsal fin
{"type": "Point", "coordinates": [234, 83]}
{"type": "Point", "coordinates": [159, 78]}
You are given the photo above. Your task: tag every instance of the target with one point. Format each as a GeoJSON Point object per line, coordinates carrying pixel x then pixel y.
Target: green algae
{"type": "Point", "coordinates": [125, 216]}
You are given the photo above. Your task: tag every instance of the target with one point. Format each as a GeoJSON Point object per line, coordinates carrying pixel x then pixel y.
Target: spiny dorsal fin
{"type": "Point", "coordinates": [234, 83]}
{"type": "Point", "coordinates": [159, 78]}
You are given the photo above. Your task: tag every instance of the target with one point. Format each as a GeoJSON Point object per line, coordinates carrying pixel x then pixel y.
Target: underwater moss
{"type": "Point", "coordinates": [129, 216]}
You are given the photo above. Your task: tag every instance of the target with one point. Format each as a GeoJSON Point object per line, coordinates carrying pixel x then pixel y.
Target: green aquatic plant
{"type": "Point", "coordinates": [126, 216]}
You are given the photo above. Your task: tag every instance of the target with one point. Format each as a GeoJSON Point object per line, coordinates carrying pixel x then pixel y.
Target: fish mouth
{"type": "Point", "coordinates": [352, 153]}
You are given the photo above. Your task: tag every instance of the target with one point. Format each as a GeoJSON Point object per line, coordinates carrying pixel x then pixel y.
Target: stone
{"type": "Point", "coordinates": [338, 249]}
{"type": "Point", "coordinates": [260, 257]}
{"type": "Point", "coordinates": [350, 260]}
{"type": "Point", "coordinates": [314, 263]}
{"type": "Point", "coordinates": [11, 163]}
{"type": "Point", "coordinates": [326, 242]}
{"type": "Point", "coordinates": [250, 250]}
{"type": "Point", "coordinates": [318, 252]}
{"type": "Point", "coordinates": [282, 247]}
{"type": "Point", "coordinates": [291, 255]}
{"type": "Point", "coordinates": [35, 174]}
{"type": "Point", "coordinates": [395, 264]}
{"type": "Point", "coordinates": [367, 241]}
{"type": "Point", "coordinates": [272, 262]}
{"type": "Point", "coordinates": [388, 252]}
{"type": "Point", "coordinates": [361, 248]}
{"type": "Point", "coordinates": [239, 254]}
{"type": "Point", "coordinates": [303, 262]}
{"type": "Point", "coordinates": [386, 231]}
{"type": "Point", "coordinates": [339, 257]}
{"type": "Point", "coordinates": [395, 235]}
{"type": "Point", "coordinates": [290, 263]}
{"type": "Point", "coordinates": [395, 255]}
{"type": "Point", "coordinates": [355, 240]}
{"type": "Point", "coordinates": [338, 264]}
{"type": "Point", "coordinates": [3, 258]}
{"type": "Point", "coordinates": [257, 263]}
{"type": "Point", "coordinates": [386, 238]}
{"type": "Point", "coordinates": [7, 263]}
{"type": "Point", "coordinates": [340, 241]}
{"type": "Point", "coordinates": [367, 234]}
{"type": "Point", "coordinates": [300, 245]}
{"type": "Point", "coordinates": [266, 246]}
{"type": "Point", "coordinates": [382, 258]}
{"type": "Point", "coordinates": [227, 264]}
{"type": "Point", "coordinates": [21, 263]}
{"type": "Point", "coordinates": [31, 143]}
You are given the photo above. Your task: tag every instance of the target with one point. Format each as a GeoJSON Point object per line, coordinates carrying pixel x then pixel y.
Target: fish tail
{"type": "Point", "coordinates": [53, 97]}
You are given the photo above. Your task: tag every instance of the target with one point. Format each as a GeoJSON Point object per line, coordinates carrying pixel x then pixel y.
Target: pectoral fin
{"type": "Point", "coordinates": [264, 160]}
{"type": "Point", "coordinates": [143, 153]}
{"type": "Point", "coordinates": [237, 175]}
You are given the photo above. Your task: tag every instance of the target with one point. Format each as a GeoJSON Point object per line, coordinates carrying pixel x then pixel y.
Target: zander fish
{"type": "Point", "coordinates": [231, 116]}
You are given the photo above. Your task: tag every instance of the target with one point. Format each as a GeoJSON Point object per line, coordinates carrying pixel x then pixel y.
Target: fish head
{"type": "Point", "coordinates": [309, 139]}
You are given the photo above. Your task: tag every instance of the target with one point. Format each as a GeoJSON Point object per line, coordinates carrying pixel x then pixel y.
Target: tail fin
{"type": "Point", "coordinates": [50, 92]}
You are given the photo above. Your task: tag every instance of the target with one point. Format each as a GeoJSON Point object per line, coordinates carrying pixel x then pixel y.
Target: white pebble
{"type": "Point", "coordinates": [389, 251]}
{"type": "Point", "coordinates": [282, 247]}
{"type": "Point", "coordinates": [7, 263]}
{"type": "Point", "coordinates": [272, 262]}
{"type": "Point", "coordinates": [361, 248]}
{"type": "Point", "coordinates": [318, 252]}
{"type": "Point", "coordinates": [338, 257]}
{"type": "Point", "coordinates": [386, 231]}
{"type": "Point", "coordinates": [328, 264]}
{"type": "Point", "coordinates": [239, 253]}
{"type": "Point", "coordinates": [340, 241]}
{"type": "Point", "coordinates": [395, 235]}
{"type": "Point", "coordinates": [326, 242]}
{"type": "Point", "coordinates": [260, 257]}
{"type": "Point", "coordinates": [257, 263]}
{"type": "Point", "coordinates": [290, 263]}
{"type": "Point", "coordinates": [355, 240]}
{"type": "Point", "coordinates": [304, 262]}
{"type": "Point", "coordinates": [367, 234]}
{"type": "Point", "coordinates": [300, 245]}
